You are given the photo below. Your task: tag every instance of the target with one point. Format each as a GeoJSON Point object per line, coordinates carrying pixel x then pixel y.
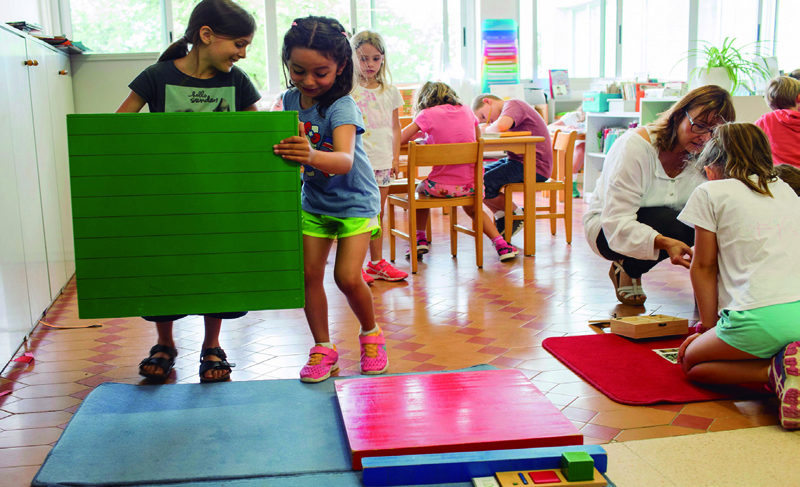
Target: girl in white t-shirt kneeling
{"type": "Point", "coordinates": [745, 270]}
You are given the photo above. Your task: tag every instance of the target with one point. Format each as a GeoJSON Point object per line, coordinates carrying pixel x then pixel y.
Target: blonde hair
{"type": "Point", "coordinates": [435, 93]}
{"type": "Point", "coordinates": [739, 150]}
{"type": "Point", "coordinates": [711, 99]}
{"type": "Point", "coordinates": [782, 93]}
{"type": "Point", "coordinates": [790, 176]}
{"type": "Point", "coordinates": [384, 76]}
{"type": "Point", "coordinates": [477, 102]}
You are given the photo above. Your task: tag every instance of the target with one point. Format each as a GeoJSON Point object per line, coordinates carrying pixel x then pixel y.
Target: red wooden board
{"type": "Point", "coordinates": [446, 413]}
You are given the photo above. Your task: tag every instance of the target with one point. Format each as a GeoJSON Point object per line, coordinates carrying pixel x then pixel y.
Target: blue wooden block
{"type": "Point", "coordinates": [440, 468]}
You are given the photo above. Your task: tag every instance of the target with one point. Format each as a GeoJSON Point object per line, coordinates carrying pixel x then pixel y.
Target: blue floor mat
{"type": "Point", "coordinates": [277, 433]}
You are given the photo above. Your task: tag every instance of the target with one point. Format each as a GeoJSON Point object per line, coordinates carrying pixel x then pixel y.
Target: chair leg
{"type": "Point", "coordinates": [509, 212]}
{"type": "Point", "coordinates": [391, 235]}
{"type": "Point", "coordinates": [453, 233]}
{"type": "Point", "coordinates": [553, 209]}
{"type": "Point", "coordinates": [428, 231]}
{"type": "Point", "coordinates": [568, 215]}
{"type": "Point", "coordinates": [477, 227]}
{"type": "Point", "coordinates": [412, 237]}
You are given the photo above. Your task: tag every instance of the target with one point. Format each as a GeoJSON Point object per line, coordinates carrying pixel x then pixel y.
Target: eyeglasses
{"type": "Point", "coordinates": [696, 128]}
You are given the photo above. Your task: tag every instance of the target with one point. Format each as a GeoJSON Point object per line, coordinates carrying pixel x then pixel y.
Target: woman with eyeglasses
{"type": "Point", "coordinates": [645, 182]}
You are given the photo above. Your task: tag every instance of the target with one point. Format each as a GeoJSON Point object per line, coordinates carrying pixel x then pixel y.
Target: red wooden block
{"type": "Point", "coordinates": [449, 412]}
{"type": "Point", "coordinates": [544, 477]}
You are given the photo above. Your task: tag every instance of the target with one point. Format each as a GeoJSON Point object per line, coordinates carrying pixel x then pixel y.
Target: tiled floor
{"type": "Point", "coordinates": [450, 315]}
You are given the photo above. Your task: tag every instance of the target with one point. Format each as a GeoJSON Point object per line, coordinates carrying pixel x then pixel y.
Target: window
{"type": "Point", "coordinates": [718, 19]}
{"type": "Point", "coordinates": [655, 38]}
{"type": "Point", "coordinates": [255, 64]}
{"type": "Point", "coordinates": [414, 35]}
{"type": "Point", "coordinates": [118, 26]}
{"type": "Point", "coordinates": [786, 36]}
{"type": "Point", "coordinates": [569, 37]}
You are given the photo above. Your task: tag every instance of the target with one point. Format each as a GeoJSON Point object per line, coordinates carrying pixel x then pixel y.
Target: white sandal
{"type": "Point", "coordinates": [625, 294]}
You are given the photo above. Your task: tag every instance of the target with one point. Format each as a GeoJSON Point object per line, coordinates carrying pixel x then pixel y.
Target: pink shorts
{"type": "Point", "coordinates": [441, 190]}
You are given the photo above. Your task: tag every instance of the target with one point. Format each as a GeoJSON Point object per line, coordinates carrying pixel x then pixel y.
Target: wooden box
{"type": "Point", "coordinates": [649, 326]}
{"type": "Point", "coordinates": [520, 479]}
{"type": "Point", "coordinates": [184, 213]}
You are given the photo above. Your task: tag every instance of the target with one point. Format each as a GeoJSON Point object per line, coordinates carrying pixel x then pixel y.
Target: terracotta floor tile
{"type": "Point", "coordinates": [724, 409]}
{"type": "Point", "coordinates": [655, 432]}
{"type": "Point", "coordinates": [55, 377]}
{"type": "Point", "coordinates": [578, 414]}
{"type": "Point", "coordinates": [48, 390]}
{"type": "Point", "coordinates": [689, 421]}
{"type": "Point", "coordinates": [30, 437]}
{"type": "Point", "coordinates": [739, 422]}
{"type": "Point", "coordinates": [18, 476]}
{"type": "Point", "coordinates": [23, 456]}
{"type": "Point", "coordinates": [599, 404]}
{"type": "Point", "coordinates": [633, 418]}
{"type": "Point", "coordinates": [599, 432]}
{"type": "Point", "coordinates": [41, 405]}
{"type": "Point", "coordinates": [34, 420]}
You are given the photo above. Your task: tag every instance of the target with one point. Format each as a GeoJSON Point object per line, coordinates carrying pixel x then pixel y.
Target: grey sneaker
{"type": "Point", "coordinates": [500, 224]}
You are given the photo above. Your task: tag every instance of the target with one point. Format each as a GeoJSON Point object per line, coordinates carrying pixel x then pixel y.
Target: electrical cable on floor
{"type": "Point", "coordinates": [64, 327]}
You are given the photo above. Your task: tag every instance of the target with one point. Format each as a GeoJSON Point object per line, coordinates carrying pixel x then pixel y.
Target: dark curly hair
{"type": "Point", "coordinates": [328, 37]}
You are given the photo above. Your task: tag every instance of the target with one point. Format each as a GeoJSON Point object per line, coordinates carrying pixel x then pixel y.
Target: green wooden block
{"type": "Point", "coordinates": [184, 213]}
{"type": "Point", "coordinates": [577, 466]}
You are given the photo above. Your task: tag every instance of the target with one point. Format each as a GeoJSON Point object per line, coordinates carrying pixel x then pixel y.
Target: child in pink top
{"type": "Point", "coordinates": [782, 125]}
{"type": "Point", "coordinates": [444, 120]}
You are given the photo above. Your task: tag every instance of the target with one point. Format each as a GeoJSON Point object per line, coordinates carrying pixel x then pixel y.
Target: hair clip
{"type": "Point", "coordinates": [344, 33]}
{"type": "Point", "coordinates": [294, 24]}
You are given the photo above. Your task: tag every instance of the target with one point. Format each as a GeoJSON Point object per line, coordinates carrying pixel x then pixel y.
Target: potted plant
{"type": "Point", "coordinates": [727, 66]}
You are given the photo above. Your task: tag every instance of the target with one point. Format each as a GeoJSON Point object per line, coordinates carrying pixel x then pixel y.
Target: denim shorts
{"type": "Point", "coordinates": [220, 316]}
{"type": "Point", "coordinates": [504, 171]}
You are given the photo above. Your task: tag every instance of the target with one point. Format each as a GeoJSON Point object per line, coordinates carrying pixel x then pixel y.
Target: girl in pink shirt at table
{"type": "Point", "coordinates": [442, 118]}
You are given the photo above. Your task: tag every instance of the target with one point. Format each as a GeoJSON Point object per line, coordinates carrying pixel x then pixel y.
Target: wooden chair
{"type": "Point", "coordinates": [439, 155]}
{"type": "Point", "coordinates": [563, 146]}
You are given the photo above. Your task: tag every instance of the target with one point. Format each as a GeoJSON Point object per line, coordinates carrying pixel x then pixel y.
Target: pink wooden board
{"type": "Point", "coordinates": [446, 413]}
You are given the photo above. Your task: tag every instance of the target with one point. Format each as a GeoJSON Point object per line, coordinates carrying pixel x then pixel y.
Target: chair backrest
{"type": "Point", "coordinates": [448, 155]}
{"type": "Point", "coordinates": [563, 147]}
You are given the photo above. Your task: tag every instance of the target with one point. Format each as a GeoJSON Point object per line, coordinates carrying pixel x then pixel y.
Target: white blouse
{"type": "Point", "coordinates": [634, 178]}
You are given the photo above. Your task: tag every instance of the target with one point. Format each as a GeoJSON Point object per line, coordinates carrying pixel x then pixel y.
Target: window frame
{"type": "Point", "coordinates": [274, 76]}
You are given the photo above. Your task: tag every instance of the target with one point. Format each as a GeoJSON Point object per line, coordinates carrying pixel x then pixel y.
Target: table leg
{"type": "Point", "coordinates": [529, 182]}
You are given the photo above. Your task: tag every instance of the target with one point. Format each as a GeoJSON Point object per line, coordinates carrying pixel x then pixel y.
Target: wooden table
{"type": "Point", "coordinates": [526, 147]}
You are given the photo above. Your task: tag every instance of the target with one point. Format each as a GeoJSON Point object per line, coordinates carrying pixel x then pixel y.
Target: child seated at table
{"type": "Point", "coordinates": [790, 175]}
{"type": "Point", "coordinates": [573, 122]}
{"type": "Point", "coordinates": [782, 125]}
{"type": "Point", "coordinates": [440, 116]}
{"type": "Point", "coordinates": [496, 116]}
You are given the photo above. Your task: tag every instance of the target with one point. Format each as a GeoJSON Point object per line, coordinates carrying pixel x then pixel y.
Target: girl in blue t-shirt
{"type": "Point", "coordinates": [219, 32]}
{"type": "Point", "coordinates": [340, 197]}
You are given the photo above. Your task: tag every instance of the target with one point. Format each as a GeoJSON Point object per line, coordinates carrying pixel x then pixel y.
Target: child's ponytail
{"type": "Point", "coordinates": [741, 150]}
{"type": "Point", "coordinates": [328, 37]}
{"type": "Point", "coordinates": [224, 17]}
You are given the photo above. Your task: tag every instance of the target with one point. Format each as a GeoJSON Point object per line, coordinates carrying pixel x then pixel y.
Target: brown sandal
{"type": "Point", "coordinates": [626, 294]}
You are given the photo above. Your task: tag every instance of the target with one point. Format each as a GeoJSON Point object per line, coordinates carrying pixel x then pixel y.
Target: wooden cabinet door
{"type": "Point", "coordinates": [15, 311]}
{"type": "Point", "coordinates": [14, 55]}
{"type": "Point", "coordinates": [46, 163]}
{"type": "Point", "coordinates": [59, 81]}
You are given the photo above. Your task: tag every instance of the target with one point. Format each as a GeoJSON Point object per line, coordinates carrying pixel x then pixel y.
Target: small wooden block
{"type": "Point", "coordinates": [544, 477]}
{"type": "Point", "coordinates": [443, 413]}
{"type": "Point", "coordinates": [515, 479]}
{"type": "Point", "coordinates": [649, 326]}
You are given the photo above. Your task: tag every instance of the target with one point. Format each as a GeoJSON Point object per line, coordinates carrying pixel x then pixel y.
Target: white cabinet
{"type": "Point", "coordinates": [594, 157]}
{"type": "Point", "coordinates": [15, 314]}
{"type": "Point", "coordinates": [35, 262]}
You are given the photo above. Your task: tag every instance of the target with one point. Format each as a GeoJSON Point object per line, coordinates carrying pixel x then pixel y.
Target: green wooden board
{"type": "Point", "coordinates": [184, 213]}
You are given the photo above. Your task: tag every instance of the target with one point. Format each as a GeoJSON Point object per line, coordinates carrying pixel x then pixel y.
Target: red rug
{"type": "Point", "coordinates": [630, 372]}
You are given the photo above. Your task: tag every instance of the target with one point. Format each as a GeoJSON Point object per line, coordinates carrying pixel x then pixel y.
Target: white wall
{"type": "Point", "coordinates": [16, 10]}
{"type": "Point", "coordinates": [499, 9]}
{"type": "Point", "coordinates": [100, 81]}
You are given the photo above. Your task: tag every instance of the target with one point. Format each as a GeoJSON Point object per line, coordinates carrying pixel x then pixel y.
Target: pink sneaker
{"type": "Point", "coordinates": [367, 278]}
{"type": "Point", "coordinates": [386, 271]}
{"type": "Point", "coordinates": [784, 378]}
{"type": "Point", "coordinates": [321, 362]}
{"type": "Point", "coordinates": [374, 360]}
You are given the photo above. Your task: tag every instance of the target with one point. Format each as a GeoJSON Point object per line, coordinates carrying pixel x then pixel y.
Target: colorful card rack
{"type": "Point", "coordinates": [500, 53]}
{"type": "Point", "coordinates": [184, 213]}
